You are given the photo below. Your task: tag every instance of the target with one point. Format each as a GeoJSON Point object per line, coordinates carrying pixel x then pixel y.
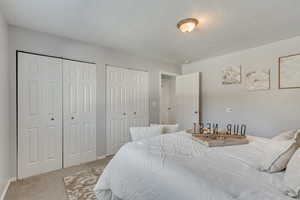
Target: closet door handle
{"type": "Point", "coordinates": [72, 118]}
{"type": "Point", "coordinates": [134, 113]}
{"type": "Point", "coordinates": [52, 119]}
{"type": "Point", "coordinates": [124, 114]}
{"type": "Point", "coordinates": [196, 112]}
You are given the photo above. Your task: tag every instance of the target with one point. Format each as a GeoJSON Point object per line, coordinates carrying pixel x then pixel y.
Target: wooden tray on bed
{"type": "Point", "coordinates": [219, 140]}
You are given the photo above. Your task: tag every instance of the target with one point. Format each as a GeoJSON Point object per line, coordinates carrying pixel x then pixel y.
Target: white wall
{"type": "Point", "coordinates": [4, 108]}
{"type": "Point", "coordinates": [265, 112]}
{"type": "Point", "coordinates": [23, 39]}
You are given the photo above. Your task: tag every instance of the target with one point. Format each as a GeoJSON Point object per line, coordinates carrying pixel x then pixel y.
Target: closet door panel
{"type": "Point", "coordinates": [117, 101]}
{"type": "Point", "coordinates": [30, 116]}
{"type": "Point", "coordinates": [87, 82]}
{"type": "Point", "coordinates": [72, 128]}
{"type": "Point", "coordinates": [140, 115]}
{"type": "Point", "coordinates": [79, 112]}
{"type": "Point", "coordinates": [53, 112]}
{"type": "Point", "coordinates": [39, 114]}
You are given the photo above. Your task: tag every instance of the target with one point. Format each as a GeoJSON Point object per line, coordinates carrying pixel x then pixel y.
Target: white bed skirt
{"type": "Point", "coordinates": [106, 195]}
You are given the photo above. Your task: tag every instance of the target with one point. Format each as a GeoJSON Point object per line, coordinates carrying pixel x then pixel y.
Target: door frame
{"type": "Point", "coordinates": [160, 82]}
{"type": "Point", "coordinates": [17, 98]}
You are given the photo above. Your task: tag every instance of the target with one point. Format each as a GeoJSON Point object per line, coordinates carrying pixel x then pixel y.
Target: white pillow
{"type": "Point", "coordinates": [292, 176]}
{"type": "Point", "coordinates": [277, 155]}
{"type": "Point", "coordinates": [139, 133]}
{"type": "Point", "coordinates": [288, 135]}
{"type": "Point", "coordinates": [168, 128]}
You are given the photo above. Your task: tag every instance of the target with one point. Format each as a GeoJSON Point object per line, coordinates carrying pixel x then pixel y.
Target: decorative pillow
{"type": "Point", "coordinates": [168, 128]}
{"type": "Point", "coordinates": [139, 133]}
{"type": "Point", "coordinates": [288, 135]}
{"type": "Point", "coordinates": [277, 155]}
{"type": "Point", "coordinates": [292, 176]}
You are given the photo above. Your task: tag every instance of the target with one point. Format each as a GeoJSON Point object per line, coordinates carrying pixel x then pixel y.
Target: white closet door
{"type": "Point", "coordinates": [126, 104]}
{"type": "Point", "coordinates": [116, 109]}
{"type": "Point", "coordinates": [71, 70]}
{"type": "Point", "coordinates": [87, 93]}
{"type": "Point", "coordinates": [39, 114]}
{"type": "Point", "coordinates": [139, 109]}
{"type": "Point", "coordinates": [187, 100]}
{"type": "Point", "coordinates": [79, 105]}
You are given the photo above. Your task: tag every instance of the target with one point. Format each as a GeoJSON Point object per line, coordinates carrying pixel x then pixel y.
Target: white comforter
{"type": "Point", "coordinates": [175, 167]}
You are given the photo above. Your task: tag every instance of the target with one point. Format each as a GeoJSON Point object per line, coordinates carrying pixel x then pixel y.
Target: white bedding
{"type": "Point", "coordinates": [175, 167]}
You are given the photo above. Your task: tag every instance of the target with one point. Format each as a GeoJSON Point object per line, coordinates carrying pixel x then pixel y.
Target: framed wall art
{"type": "Point", "coordinates": [232, 75]}
{"type": "Point", "coordinates": [257, 79]}
{"type": "Point", "coordinates": [289, 71]}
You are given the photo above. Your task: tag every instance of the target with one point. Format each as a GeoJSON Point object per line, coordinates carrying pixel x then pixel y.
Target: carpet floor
{"type": "Point", "coordinates": [49, 186]}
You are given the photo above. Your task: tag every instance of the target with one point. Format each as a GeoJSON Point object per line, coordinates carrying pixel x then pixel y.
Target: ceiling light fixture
{"type": "Point", "coordinates": [187, 25]}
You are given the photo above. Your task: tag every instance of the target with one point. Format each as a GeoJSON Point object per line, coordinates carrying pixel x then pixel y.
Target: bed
{"type": "Point", "coordinates": [175, 167]}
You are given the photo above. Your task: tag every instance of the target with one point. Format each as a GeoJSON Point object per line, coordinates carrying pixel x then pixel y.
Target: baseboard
{"type": "Point", "coordinates": [6, 187]}
{"type": "Point", "coordinates": [12, 179]}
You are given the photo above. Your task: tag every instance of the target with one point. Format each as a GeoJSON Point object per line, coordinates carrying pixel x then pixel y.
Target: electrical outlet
{"type": "Point", "coordinates": [229, 110]}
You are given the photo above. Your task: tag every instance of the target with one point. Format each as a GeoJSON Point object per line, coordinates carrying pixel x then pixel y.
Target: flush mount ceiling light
{"type": "Point", "coordinates": [187, 25]}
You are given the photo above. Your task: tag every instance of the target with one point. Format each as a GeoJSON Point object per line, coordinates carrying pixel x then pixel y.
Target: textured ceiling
{"type": "Point", "coordinates": [148, 27]}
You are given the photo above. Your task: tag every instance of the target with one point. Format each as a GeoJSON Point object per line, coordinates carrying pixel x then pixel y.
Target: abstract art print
{"type": "Point", "coordinates": [258, 79]}
{"type": "Point", "coordinates": [289, 71]}
{"type": "Point", "coordinates": [232, 75]}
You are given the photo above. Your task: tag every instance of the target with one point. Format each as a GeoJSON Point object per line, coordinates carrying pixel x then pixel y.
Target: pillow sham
{"type": "Point", "coordinates": [139, 133]}
{"type": "Point", "coordinates": [277, 155]}
{"type": "Point", "coordinates": [168, 128]}
{"type": "Point", "coordinates": [292, 176]}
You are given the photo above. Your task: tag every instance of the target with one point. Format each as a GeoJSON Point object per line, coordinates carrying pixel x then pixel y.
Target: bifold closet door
{"type": "Point", "coordinates": [138, 105]}
{"type": "Point", "coordinates": [188, 100]}
{"type": "Point", "coordinates": [79, 105]}
{"type": "Point", "coordinates": [39, 114]}
{"type": "Point", "coordinates": [126, 104]}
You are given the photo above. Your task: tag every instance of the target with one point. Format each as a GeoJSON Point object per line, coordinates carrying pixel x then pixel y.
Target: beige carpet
{"type": "Point", "coordinates": [49, 186]}
{"type": "Point", "coordinates": [80, 185]}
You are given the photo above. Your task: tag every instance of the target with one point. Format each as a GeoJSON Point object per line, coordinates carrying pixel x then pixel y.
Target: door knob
{"type": "Point", "coordinates": [134, 113]}
{"type": "Point", "coordinates": [196, 112]}
{"type": "Point", "coordinates": [124, 114]}
{"type": "Point", "coordinates": [72, 118]}
{"type": "Point", "coordinates": [52, 119]}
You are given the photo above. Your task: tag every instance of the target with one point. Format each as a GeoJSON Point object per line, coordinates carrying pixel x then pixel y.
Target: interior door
{"type": "Point", "coordinates": [127, 105]}
{"type": "Point", "coordinates": [188, 100]}
{"type": "Point", "coordinates": [39, 114]}
{"type": "Point", "coordinates": [79, 105]}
